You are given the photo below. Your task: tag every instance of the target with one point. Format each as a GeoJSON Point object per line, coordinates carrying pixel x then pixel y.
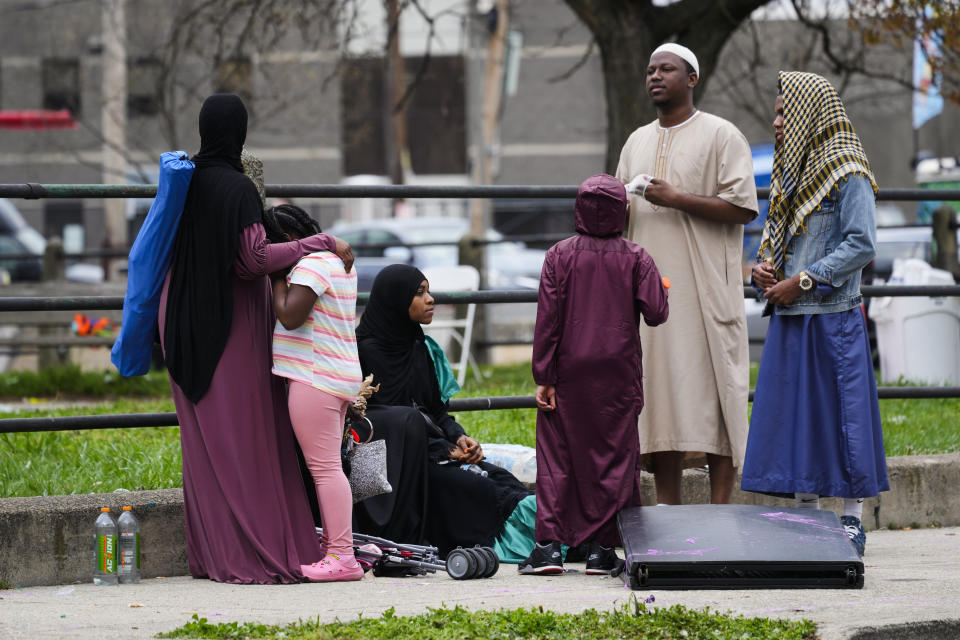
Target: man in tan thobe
{"type": "Point", "coordinates": [690, 216]}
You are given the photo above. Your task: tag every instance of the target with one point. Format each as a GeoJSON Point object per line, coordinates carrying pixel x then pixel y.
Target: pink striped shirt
{"type": "Point", "coordinates": [322, 352]}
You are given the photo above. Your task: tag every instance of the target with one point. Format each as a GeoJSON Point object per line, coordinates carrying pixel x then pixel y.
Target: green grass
{"type": "Point", "coordinates": [460, 624]}
{"type": "Point", "coordinates": [516, 426]}
{"type": "Point", "coordinates": [920, 427]}
{"type": "Point", "coordinates": [69, 381]}
{"type": "Point", "coordinates": [99, 461]}
{"type": "Point", "coordinates": [91, 461]}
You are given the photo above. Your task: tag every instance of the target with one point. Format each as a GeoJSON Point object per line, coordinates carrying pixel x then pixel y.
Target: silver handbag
{"type": "Point", "coordinates": [368, 468]}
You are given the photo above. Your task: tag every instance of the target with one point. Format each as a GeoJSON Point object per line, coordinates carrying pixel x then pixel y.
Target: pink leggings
{"type": "Point", "coordinates": [317, 419]}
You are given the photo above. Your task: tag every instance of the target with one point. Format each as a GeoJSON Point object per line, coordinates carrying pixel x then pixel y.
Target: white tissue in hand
{"type": "Point", "coordinates": [637, 185]}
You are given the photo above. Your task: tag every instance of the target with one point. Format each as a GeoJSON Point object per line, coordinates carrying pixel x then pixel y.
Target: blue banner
{"type": "Point", "coordinates": [927, 101]}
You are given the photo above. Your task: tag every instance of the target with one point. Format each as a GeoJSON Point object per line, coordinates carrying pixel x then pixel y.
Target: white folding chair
{"type": "Point", "coordinates": [458, 278]}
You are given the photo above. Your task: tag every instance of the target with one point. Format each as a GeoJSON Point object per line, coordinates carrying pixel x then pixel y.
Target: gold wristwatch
{"type": "Point", "coordinates": [806, 282]}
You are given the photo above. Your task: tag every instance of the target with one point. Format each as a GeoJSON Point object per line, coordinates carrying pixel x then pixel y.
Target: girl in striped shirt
{"type": "Point", "coordinates": [315, 348]}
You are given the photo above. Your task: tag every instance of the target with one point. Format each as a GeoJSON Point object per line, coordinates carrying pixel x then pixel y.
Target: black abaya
{"type": "Point", "coordinates": [466, 509]}
{"type": "Point", "coordinates": [461, 508]}
{"type": "Point", "coordinates": [400, 515]}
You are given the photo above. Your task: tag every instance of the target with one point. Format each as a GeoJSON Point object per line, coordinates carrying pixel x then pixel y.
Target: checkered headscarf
{"type": "Point", "coordinates": [819, 147]}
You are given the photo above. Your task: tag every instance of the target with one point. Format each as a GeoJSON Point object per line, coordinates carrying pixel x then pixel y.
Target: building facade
{"type": "Point", "coordinates": [318, 100]}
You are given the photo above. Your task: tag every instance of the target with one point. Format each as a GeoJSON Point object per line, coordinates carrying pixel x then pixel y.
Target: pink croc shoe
{"type": "Point", "coordinates": [333, 569]}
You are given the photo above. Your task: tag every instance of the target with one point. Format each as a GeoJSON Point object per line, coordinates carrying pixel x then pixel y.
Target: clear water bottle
{"type": "Point", "coordinates": [128, 570]}
{"type": "Point", "coordinates": [474, 468]}
{"type": "Point", "coordinates": [105, 536]}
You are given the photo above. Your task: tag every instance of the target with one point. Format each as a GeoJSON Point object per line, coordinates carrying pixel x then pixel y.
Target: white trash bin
{"type": "Point", "coordinates": [918, 339]}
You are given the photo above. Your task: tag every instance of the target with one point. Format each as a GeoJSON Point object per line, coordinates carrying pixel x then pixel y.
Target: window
{"type": "Point", "coordinates": [143, 87]}
{"type": "Point", "coordinates": [235, 76]}
{"type": "Point", "coordinates": [362, 131]}
{"type": "Point", "coordinates": [61, 84]}
{"type": "Point", "coordinates": [436, 116]}
{"type": "Point", "coordinates": [64, 219]}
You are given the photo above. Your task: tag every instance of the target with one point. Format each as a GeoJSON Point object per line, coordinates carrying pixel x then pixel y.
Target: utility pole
{"type": "Point", "coordinates": [114, 118]}
{"type": "Point", "coordinates": [397, 146]}
{"type": "Point", "coordinates": [490, 115]}
{"type": "Point", "coordinates": [484, 166]}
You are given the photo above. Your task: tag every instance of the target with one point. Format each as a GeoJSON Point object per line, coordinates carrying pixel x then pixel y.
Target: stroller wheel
{"type": "Point", "coordinates": [461, 565]}
{"type": "Point", "coordinates": [483, 562]}
{"type": "Point", "coordinates": [493, 562]}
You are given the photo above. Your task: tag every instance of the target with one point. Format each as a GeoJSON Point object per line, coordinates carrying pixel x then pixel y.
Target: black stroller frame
{"type": "Point", "coordinates": [381, 555]}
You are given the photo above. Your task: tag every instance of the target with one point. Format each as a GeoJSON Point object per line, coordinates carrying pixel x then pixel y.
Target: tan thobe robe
{"type": "Point", "coordinates": [696, 366]}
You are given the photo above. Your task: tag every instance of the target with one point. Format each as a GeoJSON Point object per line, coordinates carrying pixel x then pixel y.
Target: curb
{"type": "Point", "coordinates": [940, 629]}
{"type": "Point", "coordinates": [47, 540]}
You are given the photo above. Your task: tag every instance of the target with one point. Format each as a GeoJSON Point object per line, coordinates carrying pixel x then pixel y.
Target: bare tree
{"type": "Point", "coordinates": [627, 31]}
{"type": "Point", "coordinates": [901, 22]}
{"type": "Point", "coordinates": [855, 42]}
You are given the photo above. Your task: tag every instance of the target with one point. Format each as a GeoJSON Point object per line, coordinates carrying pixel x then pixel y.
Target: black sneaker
{"type": "Point", "coordinates": [543, 560]}
{"type": "Point", "coordinates": [601, 561]}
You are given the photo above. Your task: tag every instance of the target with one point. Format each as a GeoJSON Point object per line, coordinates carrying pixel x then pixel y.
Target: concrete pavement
{"type": "Point", "coordinates": [912, 591]}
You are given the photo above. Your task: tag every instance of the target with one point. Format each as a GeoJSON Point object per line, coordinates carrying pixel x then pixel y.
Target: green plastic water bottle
{"type": "Point", "coordinates": [105, 548]}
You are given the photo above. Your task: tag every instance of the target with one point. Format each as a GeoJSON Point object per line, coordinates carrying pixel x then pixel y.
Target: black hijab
{"type": "Point", "coordinates": [390, 343]}
{"type": "Point", "coordinates": [220, 203]}
{"type": "Point", "coordinates": [223, 130]}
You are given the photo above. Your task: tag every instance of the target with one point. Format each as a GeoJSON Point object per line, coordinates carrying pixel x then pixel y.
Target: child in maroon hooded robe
{"type": "Point", "coordinates": [594, 288]}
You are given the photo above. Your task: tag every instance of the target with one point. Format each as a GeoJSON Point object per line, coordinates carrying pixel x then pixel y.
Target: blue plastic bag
{"type": "Point", "coordinates": [148, 264]}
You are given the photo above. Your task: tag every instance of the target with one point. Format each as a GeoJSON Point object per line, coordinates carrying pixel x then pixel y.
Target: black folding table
{"type": "Point", "coordinates": [708, 546]}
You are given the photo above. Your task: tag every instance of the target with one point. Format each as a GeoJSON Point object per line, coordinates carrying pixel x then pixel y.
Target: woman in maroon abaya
{"type": "Point", "coordinates": [594, 288]}
{"type": "Point", "coordinates": [247, 516]}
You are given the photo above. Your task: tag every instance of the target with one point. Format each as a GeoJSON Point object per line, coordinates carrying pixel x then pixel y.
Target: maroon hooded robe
{"type": "Point", "coordinates": [593, 290]}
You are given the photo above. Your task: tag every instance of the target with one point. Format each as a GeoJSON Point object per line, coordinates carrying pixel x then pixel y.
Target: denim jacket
{"type": "Point", "coordinates": [839, 241]}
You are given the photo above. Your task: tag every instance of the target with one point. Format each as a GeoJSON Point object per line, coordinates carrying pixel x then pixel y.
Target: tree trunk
{"type": "Point", "coordinates": [627, 32]}
{"type": "Point", "coordinates": [114, 118]}
{"type": "Point", "coordinates": [398, 149]}
{"type": "Point", "coordinates": [490, 115]}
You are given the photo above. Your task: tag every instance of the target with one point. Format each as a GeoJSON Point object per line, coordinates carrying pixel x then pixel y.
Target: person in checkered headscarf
{"type": "Point", "coordinates": [815, 428]}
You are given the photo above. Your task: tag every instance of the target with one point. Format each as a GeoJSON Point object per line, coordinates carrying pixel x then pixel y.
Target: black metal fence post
{"type": "Point", "coordinates": [945, 240]}
{"type": "Point", "coordinates": [54, 270]}
{"type": "Point", "coordinates": [473, 255]}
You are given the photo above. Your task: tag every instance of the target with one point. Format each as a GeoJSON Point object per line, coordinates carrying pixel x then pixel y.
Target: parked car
{"type": "Point", "coordinates": [888, 214]}
{"type": "Point", "coordinates": [508, 265]}
{"type": "Point", "coordinates": [17, 238]}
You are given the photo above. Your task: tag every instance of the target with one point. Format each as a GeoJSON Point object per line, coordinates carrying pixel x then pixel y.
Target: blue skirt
{"type": "Point", "coordinates": [815, 426]}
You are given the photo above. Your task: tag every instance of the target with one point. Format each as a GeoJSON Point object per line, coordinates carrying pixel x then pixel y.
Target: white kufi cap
{"type": "Point", "coordinates": [679, 50]}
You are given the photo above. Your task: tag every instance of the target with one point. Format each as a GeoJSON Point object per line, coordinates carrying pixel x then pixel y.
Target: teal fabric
{"type": "Point", "coordinates": [448, 382]}
{"type": "Point", "coordinates": [516, 541]}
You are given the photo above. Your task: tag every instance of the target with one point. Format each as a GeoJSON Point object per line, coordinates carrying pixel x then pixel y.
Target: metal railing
{"type": "Point", "coordinates": [488, 296]}
{"type": "Point", "coordinates": [92, 303]}
{"type": "Point", "coordinates": [16, 425]}
{"type": "Point", "coordinates": [539, 238]}
{"type": "Point", "coordinates": [138, 420]}
{"type": "Point", "coordinates": [34, 191]}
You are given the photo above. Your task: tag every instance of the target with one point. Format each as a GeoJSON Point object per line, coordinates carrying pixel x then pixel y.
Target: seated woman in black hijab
{"type": "Point", "coordinates": [434, 499]}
